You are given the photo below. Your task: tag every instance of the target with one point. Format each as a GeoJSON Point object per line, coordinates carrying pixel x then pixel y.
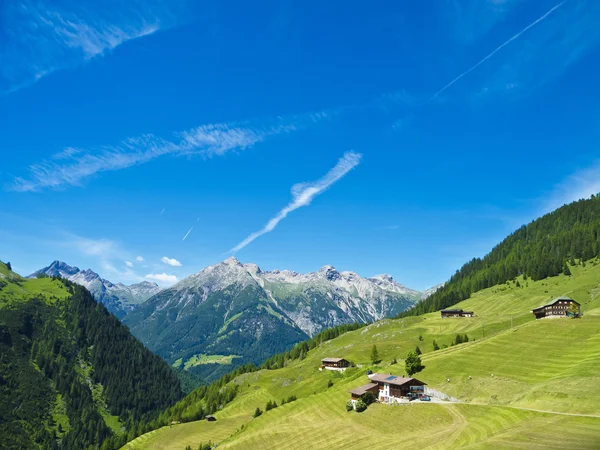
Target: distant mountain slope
{"type": "Point", "coordinates": [235, 309]}
{"type": "Point", "coordinates": [118, 298]}
{"type": "Point", "coordinates": [538, 250]}
{"type": "Point", "coordinates": [71, 375]}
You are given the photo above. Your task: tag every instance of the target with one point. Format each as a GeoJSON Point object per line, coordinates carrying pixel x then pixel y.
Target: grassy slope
{"type": "Point", "coordinates": [21, 289]}
{"type": "Point", "coordinates": [547, 365]}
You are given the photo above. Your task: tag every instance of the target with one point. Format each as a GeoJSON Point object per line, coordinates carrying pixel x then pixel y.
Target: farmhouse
{"type": "Point", "coordinates": [456, 313]}
{"type": "Point", "coordinates": [559, 307]}
{"type": "Point", "coordinates": [210, 418]}
{"type": "Point", "coordinates": [390, 388]}
{"type": "Point", "coordinates": [339, 364]}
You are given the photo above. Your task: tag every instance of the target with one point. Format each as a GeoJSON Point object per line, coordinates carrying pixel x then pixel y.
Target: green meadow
{"type": "Point", "coordinates": [522, 383]}
{"type": "Point", "coordinates": [197, 360]}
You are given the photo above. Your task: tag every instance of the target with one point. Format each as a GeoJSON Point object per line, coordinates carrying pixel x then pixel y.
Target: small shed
{"type": "Point", "coordinates": [210, 418]}
{"type": "Point", "coordinates": [357, 393]}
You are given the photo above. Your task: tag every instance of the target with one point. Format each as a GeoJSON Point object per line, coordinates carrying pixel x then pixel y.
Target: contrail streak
{"type": "Point", "coordinates": [187, 234]}
{"type": "Point", "coordinates": [516, 36]}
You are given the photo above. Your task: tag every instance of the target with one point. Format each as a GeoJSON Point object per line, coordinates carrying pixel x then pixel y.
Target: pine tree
{"type": "Point", "coordinates": [435, 345]}
{"type": "Point", "coordinates": [374, 355]}
{"type": "Point", "coordinates": [413, 364]}
{"type": "Point", "coordinates": [418, 350]}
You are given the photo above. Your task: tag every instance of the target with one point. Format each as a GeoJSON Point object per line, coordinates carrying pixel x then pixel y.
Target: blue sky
{"type": "Point", "coordinates": [381, 137]}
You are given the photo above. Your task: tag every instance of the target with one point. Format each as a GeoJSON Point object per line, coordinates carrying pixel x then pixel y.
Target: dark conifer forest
{"type": "Point", "coordinates": [68, 369]}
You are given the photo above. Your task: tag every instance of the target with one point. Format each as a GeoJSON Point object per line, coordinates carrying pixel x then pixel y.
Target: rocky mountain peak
{"type": "Point", "coordinates": [330, 273]}
{"type": "Point", "coordinates": [232, 261]}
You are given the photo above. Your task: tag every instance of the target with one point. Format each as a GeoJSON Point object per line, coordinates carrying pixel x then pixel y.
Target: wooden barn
{"type": "Point", "coordinates": [339, 364]}
{"type": "Point", "coordinates": [558, 307]}
{"type": "Point", "coordinates": [456, 313]}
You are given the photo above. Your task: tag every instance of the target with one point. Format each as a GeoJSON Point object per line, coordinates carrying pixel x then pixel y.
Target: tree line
{"type": "Point", "coordinates": [538, 250]}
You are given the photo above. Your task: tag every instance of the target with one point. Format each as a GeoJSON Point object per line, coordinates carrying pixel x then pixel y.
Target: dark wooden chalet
{"type": "Point", "coordinates": [210, 418]}
{"type": "Point", "coordinates": [335, 363]}
{"type": "Point", "coordinates": [456, 313]}
{"type": "Point", "coordinates": [559, 307]}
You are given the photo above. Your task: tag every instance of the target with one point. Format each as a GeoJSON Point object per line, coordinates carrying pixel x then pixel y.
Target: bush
{"type": "Point", "coordinates": [394, 361]}
{"type": "Point", "coordinates": [368, 398]}
{"type": "Point", "coordinates": [435, 345]}
{"type": "Point", "coordinates": [257, 413]}
{"type": "Point", "coordinates": [270, 405]}
{"type": "Point", "coordinates": [349, 405]}
{"type": "Point", "coordinates": [360, 405]}
{"type": "Point", "coordinates": [418, 350]}
{"type": "Point", "coordinates": [329, 383]}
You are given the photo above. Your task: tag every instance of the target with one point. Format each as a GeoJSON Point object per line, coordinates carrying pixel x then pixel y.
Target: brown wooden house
{"type": "Point", "coordinates": [393, 388]}
{"type": "Point", "coordinates": [456, 313]}
{"type": "Point", "coordinates": [558, 307]}
{"type": "Point", "coordinates": [339, 364]}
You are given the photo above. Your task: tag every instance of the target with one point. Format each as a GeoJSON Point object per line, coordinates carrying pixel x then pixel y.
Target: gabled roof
{"type": "Point", "coordinates": [392, 379]}
{"type": "Point", "coordinates": [332, 360]}
{"type": "Point", "coordinates": [553, 301]}
{"type": "Point", "coordinates": [363, 389]}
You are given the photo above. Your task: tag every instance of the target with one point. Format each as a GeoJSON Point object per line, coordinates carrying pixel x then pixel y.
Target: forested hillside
{"type": "Point", "coordinates": [541, 249]}
{"type": "Point", "coordinates": [71, 375]}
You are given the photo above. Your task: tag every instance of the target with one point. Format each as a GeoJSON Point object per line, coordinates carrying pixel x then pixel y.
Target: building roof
{"type": "Point", "coordinates": [332, 360]}
{"type": "Point", "coordinates": [363, 389]}
{"type": "Point", "coordinates": [554, 300]}
{"type": "Point", "coordinates": [391, 379]}
{"type": "Point", "coordinates": [452, 310]}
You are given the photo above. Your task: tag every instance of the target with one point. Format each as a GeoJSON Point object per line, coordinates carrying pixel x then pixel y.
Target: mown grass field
{"type": "Point", "coordinates": [551, 365]}
{"type": "Point", "coordinates": [197, 360]}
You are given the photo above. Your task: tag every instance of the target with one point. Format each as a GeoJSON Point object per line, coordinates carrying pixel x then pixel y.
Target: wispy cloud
{"type": "Point", "coordinates": [579, 185]}
{"type": "Point", "coordinates": [41, 37]}
{"type": "Point", "coordinates": [187, 234]}
{"type": "Point", "coordinates": [170, 261]}
{"type": "Point", "coordinates": [304, 193]}
{"type": "Point", "coordinates": [497, 49]}
{"type": "Point", "coordinates": [206, 140]}
{"type": "Point", "coordinates": [139, 258]}
{"type": "Point", "coordinates": [128, 263]}
{"type": "Point", "coordinates": [162, 212]}
{"type": "Point", "coordinates": [162, 278]}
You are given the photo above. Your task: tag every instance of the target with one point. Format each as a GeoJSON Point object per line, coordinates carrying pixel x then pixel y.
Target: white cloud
{"type": "Point", "coordinates": [579, 185]}
{"type": "Point", "coordinates": [206, 140]}
{"type": "Point", "coordinates": [139, 258]}
{"type": "Point", "coordinates": [42, 37]}
{"type": "Point", "coordinates": [170, 261]}
{"type": "Point", "coordinates": [128, 263]}
{"type": "Point", "coordinates": [388, 227]}
{"type": "Point", "coordinates": [162, 278]}
{"type": "Point", "coordinates": [304, 193]}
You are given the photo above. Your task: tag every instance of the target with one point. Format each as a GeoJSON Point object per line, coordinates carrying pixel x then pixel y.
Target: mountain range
{"type": "Point", "coordinates": [118, 298]}
{"type": "Point", "coordinates": [237, 313]}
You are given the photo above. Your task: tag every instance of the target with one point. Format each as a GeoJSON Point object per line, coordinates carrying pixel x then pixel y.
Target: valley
{"type": "Point", "coordinates": [512, 365]}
